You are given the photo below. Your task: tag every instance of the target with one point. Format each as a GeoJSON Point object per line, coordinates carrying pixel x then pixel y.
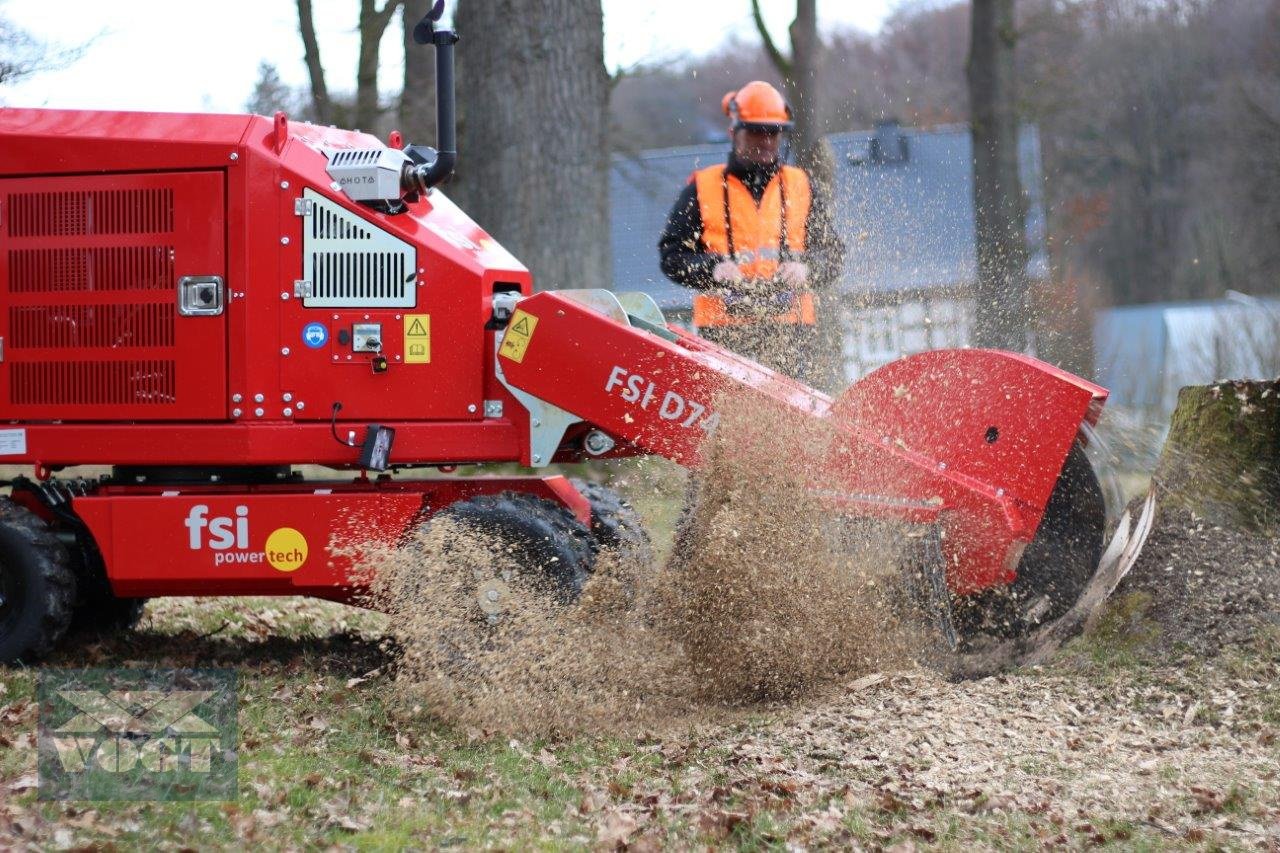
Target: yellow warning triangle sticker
{"type": "Point", "coordinates": [416, 330]}
{"type": "Point", "coordinates": [522, 328]}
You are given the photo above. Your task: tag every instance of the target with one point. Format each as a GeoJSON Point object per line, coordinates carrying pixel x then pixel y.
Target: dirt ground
{"type": "Point", "coordinates": [1160, 730]}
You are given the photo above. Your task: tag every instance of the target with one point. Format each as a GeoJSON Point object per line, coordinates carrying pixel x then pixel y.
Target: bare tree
{"type": "Point", "coordinates": [416, 118]}
{"type": "Point", "coordinates": [373, 23]}
{"type": "Point", "coordinates": [799, 72]}
{"type": "Point", "coordinates": [533, 161]}
{"type": "Point", "coordinates": [22, 54]}
{"type": "Point", "coordinates": [271, 93]}
{"type": "Point", "coordinates": [320, 102]}
{"type": "Point", "coordinates": [1001, 309]}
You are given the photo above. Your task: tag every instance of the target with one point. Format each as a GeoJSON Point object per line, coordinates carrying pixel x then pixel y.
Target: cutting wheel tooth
{"type": "Point", "coordinates": [1035, 613]}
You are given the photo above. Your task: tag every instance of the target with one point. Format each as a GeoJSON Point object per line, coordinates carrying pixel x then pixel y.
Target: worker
{"type": "Point", "coordinates": [754, 238]}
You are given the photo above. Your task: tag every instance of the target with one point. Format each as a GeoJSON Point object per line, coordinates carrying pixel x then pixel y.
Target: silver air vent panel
{"type": "Point", "coordinates": [352, 263]}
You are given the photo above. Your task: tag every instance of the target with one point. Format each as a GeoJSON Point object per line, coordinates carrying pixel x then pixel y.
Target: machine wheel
{"type": "Point", "coordinates": [614, 522]}
{"type": "Point", "coordinates": [37, 586]}
{"type": "Point", "coordinates": [1057, 565]}
{"type": "Point", "coordinates": [98, 612]}
{"type": "Point", "coordinates": [101, 613]}
{"type": "Point", "coordinates": [554, 550]}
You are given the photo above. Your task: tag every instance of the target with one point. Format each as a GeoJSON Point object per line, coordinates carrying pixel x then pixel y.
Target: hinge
{"type": "Point", "coordinates": [303, 206]}
{"type": "Point", "coordinates": [302, 288]}
{"type": "Point", "coordinates": [1, 349]}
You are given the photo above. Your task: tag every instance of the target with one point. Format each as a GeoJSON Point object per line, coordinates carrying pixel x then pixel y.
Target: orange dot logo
{"type": "Point", "coordinates": [286, 549]}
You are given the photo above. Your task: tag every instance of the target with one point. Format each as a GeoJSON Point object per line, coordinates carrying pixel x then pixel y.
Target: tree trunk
{"type": "Point", "coordinates": [373, 23]}
{"type": "Point", "coordinates": [1222, 457]}
{"type": "Point", "coordinates": [417, 119]}
{"type": "Point", "coordinates": [320, 102]}
{"type": "Point", "coordinates": [1001, 315]}
{"type": "Point", "coordinates": [533, 163]}
{"type": "Point", "coordinates": [799, 72]}
{"type": "Point", "coordinates": [802, 92]}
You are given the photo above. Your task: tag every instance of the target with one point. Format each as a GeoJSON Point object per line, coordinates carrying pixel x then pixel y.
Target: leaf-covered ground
{"type": "Point", "coordinates": [1109, 745]}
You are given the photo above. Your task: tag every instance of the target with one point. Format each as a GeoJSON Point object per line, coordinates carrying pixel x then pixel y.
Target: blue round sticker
{"type": "Point", "coordinates": [315, 335]}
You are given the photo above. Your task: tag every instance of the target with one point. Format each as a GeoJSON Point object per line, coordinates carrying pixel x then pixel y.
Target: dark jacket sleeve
{"type": "Point", "coordinates": [684, 258]}
{"type": "Point", "coordinates": [824, 250]}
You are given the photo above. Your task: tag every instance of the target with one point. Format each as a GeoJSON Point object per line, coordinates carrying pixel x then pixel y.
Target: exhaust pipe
{"type": "Point", "coordinates": [430, 172]}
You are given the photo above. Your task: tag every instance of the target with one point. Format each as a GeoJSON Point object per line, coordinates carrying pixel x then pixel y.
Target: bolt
{"type": "Point", "coordinates": [348, 358]}
{"type": "Point", "coordinates": [284, 241]}
{"type": "Point", "coordinates": [236, 398]}
{"type": "Point", "coordinates": [258, 398]}
{"type": "Point", "coordinates": [235, 156]}
{"type": "Point", "coordinates": [537, 457]}
{"type": "Point", "coordinates": [537, 422]}
{"type": "Point", "coordinates": [301, 405]}
{"type": "Point", "coordinates": [235, 413]}
{"type": "Point", "coordinates": [284, 295]}
{"type": "Point", "coordinates": [471, 408]}
{"type": "Point", "coordinates": [335, 358]}
{"type": "Point", "coordinates": [287, 397]}
{"type": "Point", "coordinates": [942, 466]}
{"type": "Point", "coordinates": [397, 358]}
{"type": "Point", "coordinates": [999, 493]}
{"type": "Point", "coordinates": [288, 413]}
{"type": "Point", "coordinates": [284, 350]}
{"type": "Point", "coordinates": [284, 185]}
{"type": "Point", "coordinates": [259, 412]}
{"type": "Point", "coordinates": [397, 316]}
{"type": "Point", "coordinates": [335, 316]}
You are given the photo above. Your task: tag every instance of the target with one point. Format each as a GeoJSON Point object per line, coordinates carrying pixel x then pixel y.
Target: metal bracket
{"type": "Point", "coordinates": [302, 288]}
{"type": "Point", "coordinates": [492, 408]}
{"type": "Point", "coordinates": [303, 206]}
{"type": "Point", "coordinates": [547, 423]}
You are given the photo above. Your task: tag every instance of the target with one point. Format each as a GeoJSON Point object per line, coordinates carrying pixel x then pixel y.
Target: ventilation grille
{"type": "Point", "coordinates": [326, 224]}
{"type": "Point", "coordinates": [93, 383]}
{"type": "Point", "coordinates": [355, 157]}
{"type": "Point", "coordinates": [88, 326]}
{"type": "Point", "coordinates": [352, 263]}
{"type": "Point", "coordinates": [60, 214]}
{"type": "Point", "coordinates": [81, 269]}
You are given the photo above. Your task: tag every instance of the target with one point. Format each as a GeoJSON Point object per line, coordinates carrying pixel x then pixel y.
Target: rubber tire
{"type": "Point", "coordinates": [102, 614]}
{"type": "Point", "coordinates": [1059, 562]}
{"type": "Point", "coordinates": [29, 549]}
{"type": "Point", "coordinates": [614, 522]}
{"type": "Point", "coordinates": [549, 539]}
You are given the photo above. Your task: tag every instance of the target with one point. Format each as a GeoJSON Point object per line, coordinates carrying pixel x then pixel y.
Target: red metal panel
{"type": "Point", "coordinates": [276, 443]}
{"type": "Point", "coordinates": [287, 539]}
{"type": "Point", "coordinates": [89, 270]}
{"type": "Point", "coordinates": [909, 442]}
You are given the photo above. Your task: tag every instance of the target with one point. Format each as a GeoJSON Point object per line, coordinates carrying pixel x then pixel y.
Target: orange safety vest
{"type": "Point", "coordinates": [751, 234]}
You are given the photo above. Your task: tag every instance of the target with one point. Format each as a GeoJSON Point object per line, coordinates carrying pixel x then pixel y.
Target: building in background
{"type": "Point", "coordinates": [1146, 353]}
{"type": "Point", "coordinates": [903, 202]}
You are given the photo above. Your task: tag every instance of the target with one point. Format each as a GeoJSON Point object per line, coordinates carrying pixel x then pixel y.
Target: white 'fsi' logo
{"type": "Point", "coordinates": [224, 532]}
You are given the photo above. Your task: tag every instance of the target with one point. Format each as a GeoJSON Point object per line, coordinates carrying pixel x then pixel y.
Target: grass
{"type": "Point", "coordinates": [329, 756]}
{"type": "Point", "coordinates": [322, 764]}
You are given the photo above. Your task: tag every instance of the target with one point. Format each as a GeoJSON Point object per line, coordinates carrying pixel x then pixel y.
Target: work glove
{"type": "Point", "coordinates": [726, 272]}
{"type": "Point", "coordinates": [793, 274]}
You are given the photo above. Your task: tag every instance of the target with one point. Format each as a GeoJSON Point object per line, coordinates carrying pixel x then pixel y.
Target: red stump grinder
{"type": "Point", "coordinates": [202, 302]}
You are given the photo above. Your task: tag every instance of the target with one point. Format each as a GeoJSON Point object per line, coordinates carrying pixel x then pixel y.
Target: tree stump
{"type": "Point", "coordinates": [1222, 457]}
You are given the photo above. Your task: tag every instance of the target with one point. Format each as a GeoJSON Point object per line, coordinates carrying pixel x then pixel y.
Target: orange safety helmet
{"type": "Point", "coordinates": [757, 105]}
